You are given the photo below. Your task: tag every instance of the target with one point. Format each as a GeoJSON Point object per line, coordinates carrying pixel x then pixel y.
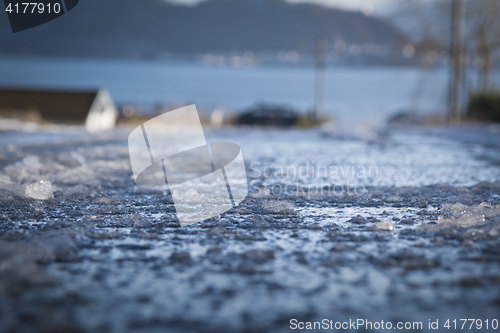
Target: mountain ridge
{"type": "Point", "coordinates": [149, 28]}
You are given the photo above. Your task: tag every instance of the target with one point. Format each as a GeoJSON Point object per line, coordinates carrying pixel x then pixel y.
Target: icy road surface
{"type": "Point", "coordinates": [404, 226]}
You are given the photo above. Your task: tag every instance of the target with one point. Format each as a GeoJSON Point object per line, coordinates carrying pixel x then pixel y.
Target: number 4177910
{"type": "Point", "coordinates": [33, 8]}
{"type": "Point", "coordinates": [471, 324]}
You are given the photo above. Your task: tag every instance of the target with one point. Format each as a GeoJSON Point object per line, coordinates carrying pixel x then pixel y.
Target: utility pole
{"type": "Point", "coordinates": [457, 47]}
{"type": "Point", "coordinates": [321, 49]}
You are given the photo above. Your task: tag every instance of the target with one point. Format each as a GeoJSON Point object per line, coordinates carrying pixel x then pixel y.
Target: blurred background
{"type": "Point", "coordinates": [404, 227]}
{"type": "Point", "coordinates": [352, 61]}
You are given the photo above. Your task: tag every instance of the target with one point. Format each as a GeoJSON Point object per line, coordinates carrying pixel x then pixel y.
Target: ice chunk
{"type": "Point", "coordinates": [393, 199]}
{"type": "Point", "coordinates": [406, 220]}
{"type": "Point", "coordinates": [8, 187]}
{"type": "Point", "coordinates": [18, 262]}
{"type": "Point", "coordinates": [463, 216]}
{"type": "Point", "coordinates": [189, 195]}
{"type": "Point", "coordinates": [384, 226]}
{"type": "Point", "coordinates": [32, 162]}
{"type": "Point", "coordinates": [259, 222]}
{"type": "Point", "coordinates": [78, 190]}
{"type": "Point", "coordinates": [279, 206]}
{"type": "Point", "coordinates": [29, 166]}
{"type": "Point", "coordinates": [456, 209]}
{"type": "Point", "coordinates": [358, 219]}
{"type": "Point", "coordinates": [57, 246]}
{"type": "Point", "coordinates": [5, 181]}
{"type": "Point", "coordinates": [16, 171]}
{"type": "Point", "coordinates": [42, 190]}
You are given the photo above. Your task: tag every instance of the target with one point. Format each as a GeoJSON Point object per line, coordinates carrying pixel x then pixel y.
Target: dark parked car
{"type": "Point", "coordinates": [265, 115]}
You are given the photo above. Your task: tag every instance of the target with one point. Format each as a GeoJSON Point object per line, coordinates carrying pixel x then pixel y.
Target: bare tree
{"type": "Point", "coordinates": [427, 23]}
{"type": "Point", "coordinates": [483, 32]}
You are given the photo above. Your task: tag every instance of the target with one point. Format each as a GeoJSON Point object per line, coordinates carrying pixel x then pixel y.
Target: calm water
{"type": "Point", "coordinates": [360, 95]}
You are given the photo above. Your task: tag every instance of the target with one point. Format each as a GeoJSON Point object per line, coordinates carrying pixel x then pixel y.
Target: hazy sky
{"type": "Point", "coordinates": [366, 6]}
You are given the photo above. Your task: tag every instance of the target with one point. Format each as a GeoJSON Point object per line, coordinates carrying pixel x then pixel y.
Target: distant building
{"type": "Point", "coordinates": [95, 109]}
